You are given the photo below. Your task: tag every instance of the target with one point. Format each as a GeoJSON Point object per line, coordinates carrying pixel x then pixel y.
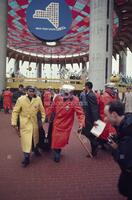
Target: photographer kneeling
{"type": "Point", "coordinates": [121, 144]}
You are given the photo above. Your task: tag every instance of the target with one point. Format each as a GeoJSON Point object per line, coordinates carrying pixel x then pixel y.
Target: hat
{"type": "Point", "coordinates": [67, 88]}
{"type": "Point", "coordinates": [31, 88]}
{"type": "Point", "coordinates": [110, 85]}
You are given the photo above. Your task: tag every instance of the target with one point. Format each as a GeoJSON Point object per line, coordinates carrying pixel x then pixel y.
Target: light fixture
{"type": "Point", "coordinates": [51, 44]}
{"type": "Point", "coordinates": [124, 11]}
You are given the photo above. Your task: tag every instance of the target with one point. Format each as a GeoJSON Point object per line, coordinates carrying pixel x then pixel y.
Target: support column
{"type": "Point", "coordinates": [39, 70]}
{"type": "Point", "coordinates": [3, 47]}
{"type": "Point", "coordinates": [100, 53]}
{"type": "Point", "coordinates": [16, 66]}
{"type": "Point", "coordinates": [110, 38]}
{"type": "Point", "coordinates": [122, 62]}
{"type": "Point", "coordinates": [84, 75]}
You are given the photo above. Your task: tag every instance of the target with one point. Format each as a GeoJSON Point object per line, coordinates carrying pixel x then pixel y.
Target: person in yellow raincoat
{"type": "Point", "coordinates": [26, 108]}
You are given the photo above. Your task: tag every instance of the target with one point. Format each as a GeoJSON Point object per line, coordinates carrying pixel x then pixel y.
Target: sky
{"type": "Point", "coordinates": [47, 72]}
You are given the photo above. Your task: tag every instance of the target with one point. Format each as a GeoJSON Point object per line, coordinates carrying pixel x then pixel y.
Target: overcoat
{"type": "Point", "coordinates": [27, 111]}
{"type": "Point", "coordinates": [7, 99]}
{"type": "Point", "coordinates": [64, 111]}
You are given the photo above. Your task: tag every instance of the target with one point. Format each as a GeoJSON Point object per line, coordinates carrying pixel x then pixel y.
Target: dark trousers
{"type": "Point", "coordinates": [125, 184]}
{"type": "Point", "coordinates": [57, 150]}
{"type": "Point", "coordinates": [86, 131]}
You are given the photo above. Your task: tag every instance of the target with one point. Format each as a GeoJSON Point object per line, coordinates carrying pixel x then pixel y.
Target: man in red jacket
{"type": "Point", "coordinates": [108, 96]}
{"type": "Point", "coordinates": [47, 101]}
{"type": "Point", "coordinates": [7, 100]}
{"type": "Point", "coordinates": [64, 108]}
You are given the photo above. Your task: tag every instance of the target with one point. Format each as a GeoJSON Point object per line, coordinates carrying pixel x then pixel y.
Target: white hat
{"type": "Point", "coordinates": [67, 88]}
{"type": "Point", "coordinates": [110, 85]}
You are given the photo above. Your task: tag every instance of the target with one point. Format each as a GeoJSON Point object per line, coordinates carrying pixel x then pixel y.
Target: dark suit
{"type": "Point", "coordinates": [91, 115]}
{"type": "Point", "coordinates": [92, 110]}
{"type": "Point", "coordinates": [123, 155]}
{"type": "Point", "coordinates": [16, 95]}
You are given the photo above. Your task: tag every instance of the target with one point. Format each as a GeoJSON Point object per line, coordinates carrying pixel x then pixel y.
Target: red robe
{"type": "Point", "coordinates": [64, 118]}
{"type": "Point", "coordinates": [47, 102]}
{"type": "Point", "coordinates": [7, 99]}
{"type": "Point", "coordinates": [104, 99]}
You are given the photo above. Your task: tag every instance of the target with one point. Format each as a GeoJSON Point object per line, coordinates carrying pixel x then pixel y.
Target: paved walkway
{"type": "Point", "coordinates": [76, 177]}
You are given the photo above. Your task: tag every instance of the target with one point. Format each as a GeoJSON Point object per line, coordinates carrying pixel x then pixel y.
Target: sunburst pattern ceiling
{"type": "Point", "coordinates": [75, 42]}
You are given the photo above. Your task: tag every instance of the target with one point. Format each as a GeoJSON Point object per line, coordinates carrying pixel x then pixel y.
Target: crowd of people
{"type": "Point", "coordinates": [32, 109]}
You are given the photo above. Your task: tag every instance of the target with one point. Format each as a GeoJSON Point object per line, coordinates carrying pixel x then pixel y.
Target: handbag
{"type": "Point", "coordinates": [44, 142]}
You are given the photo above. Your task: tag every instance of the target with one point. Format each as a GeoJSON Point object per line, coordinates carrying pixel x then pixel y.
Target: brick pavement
{"type": "Point", "coordinates": [76, 177]}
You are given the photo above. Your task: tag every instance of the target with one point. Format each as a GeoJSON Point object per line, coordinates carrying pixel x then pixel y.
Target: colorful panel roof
{"type": "Point", "coordinates": [75, 42]}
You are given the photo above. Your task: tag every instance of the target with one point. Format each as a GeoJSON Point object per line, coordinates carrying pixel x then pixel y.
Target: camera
{"type": "Point", "coordinates": [113, 138]}
{"type": "Point", "coordinates": [109, 139]}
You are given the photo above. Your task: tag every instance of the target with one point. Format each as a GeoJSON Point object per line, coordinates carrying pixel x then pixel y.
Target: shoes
{"type": "Point", "coordinates": [25, 162]}
{"type": "Point", "coordinates": [94, 151]}
{"type": "Point", "coordinates": [57, 159]}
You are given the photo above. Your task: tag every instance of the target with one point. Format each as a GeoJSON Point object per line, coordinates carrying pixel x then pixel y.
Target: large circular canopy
{"type": "Point", "coordinates": [76, 42]}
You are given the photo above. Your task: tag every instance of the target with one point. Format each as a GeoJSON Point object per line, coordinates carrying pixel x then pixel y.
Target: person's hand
{"type": "Point", "coordinates": [95, 124]}
{"type": "Point", "coordinates": [46, 135]}
{"type": "Point", "coordinates": [15, 126]}
{"type": "Point", "coordinates": [17, 130]}
{"type": "Point", "coordinates": [113, 144]}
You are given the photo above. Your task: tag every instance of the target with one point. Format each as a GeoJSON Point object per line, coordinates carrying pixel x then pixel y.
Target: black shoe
{"type": "Point", "coordinates": [94, 151]}
{"type": "Point", "coordinates": [57, 159]}
{"type": "Point", "coordinates": [37, 153]}
{"type": "Point", "coordinates": [25, 162]}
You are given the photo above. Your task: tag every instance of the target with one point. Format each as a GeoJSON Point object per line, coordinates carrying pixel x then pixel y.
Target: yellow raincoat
{"type": "Point", "coordinates": [27, 111]}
